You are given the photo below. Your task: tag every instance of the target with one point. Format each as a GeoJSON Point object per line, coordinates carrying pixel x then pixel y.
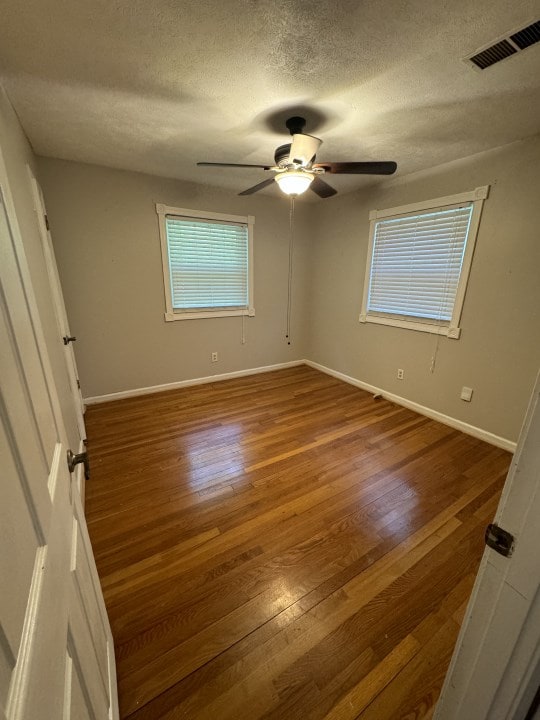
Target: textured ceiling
{"type": "Point", "coordinates": [156, 85]}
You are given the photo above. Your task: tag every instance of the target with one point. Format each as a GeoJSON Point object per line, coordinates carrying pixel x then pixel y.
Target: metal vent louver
{"type": "Point", "coordinates": [493, 54]}
{"type": "Point", "coordinates": [507, 46]}
{"type": "Point", "coordinates": [527, 37]}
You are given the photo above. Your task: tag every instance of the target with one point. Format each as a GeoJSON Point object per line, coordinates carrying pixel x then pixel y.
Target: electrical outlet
{"type": "Point", "coordinates": [214, 357]}
{"type": "Point", "coordinates": [400, 374]}
{"type": "Point", "coordinates": [466, 394]}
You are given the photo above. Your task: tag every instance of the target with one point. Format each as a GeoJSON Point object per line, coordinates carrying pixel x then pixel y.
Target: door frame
{"type": "Point", "coordinates": [58, 300]}
{"type": "Point", "coordinates": [20, 257]}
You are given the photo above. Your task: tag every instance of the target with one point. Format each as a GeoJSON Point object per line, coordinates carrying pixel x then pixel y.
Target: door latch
{"type": "Point", "coordinates": [499, 540]}
{"type": "Point", "coordinates": [69, 338]}
{"type": "Point", "coordinates": [75, 459]}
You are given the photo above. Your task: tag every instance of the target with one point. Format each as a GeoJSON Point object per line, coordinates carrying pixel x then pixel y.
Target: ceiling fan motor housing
{"type": "Point", "coordinates": [281, 156]}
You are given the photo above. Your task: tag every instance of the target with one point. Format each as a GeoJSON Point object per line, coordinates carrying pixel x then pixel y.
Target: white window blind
{"type": "Point", "coordinates": [416, 263]}
{"type": "Point", "coordinates": [208, 263]}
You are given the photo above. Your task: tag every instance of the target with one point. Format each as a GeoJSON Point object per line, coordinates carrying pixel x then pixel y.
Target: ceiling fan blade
{"type": "Point", "coordinates": [258, 187]}
{"type": "Point", "coordinates": [359, 168]}
{"type": "Point", "coordinates": [303, 149]}
{"type": "Point", "coordinates": [322, 188]}
{"type": "Point", "coordinates": [211, 164]}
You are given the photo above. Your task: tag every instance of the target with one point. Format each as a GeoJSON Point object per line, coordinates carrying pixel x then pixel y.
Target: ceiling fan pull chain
{"type": "Point", "coordinates": [289, 287]}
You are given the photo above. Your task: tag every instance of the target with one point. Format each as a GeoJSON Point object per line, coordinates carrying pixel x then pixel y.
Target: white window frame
{"type": "Point", "coordinates": [451, 329]}
{"type": "Point", "coordinates": [172, 314]}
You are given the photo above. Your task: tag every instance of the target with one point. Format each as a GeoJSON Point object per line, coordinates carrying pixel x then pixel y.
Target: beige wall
{"type": "Point", "coordinates": [105, 231]}
{"type": "Point", "coordinates": [498, 353]}
{"type": "Point", "coordinates": [17, 154]}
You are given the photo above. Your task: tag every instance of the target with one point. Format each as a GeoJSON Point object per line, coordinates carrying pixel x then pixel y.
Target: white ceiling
{"type": "Point", "coordinates": [155, 85]}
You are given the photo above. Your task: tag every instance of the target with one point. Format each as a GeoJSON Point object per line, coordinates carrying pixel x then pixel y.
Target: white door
{"type": "Point", "coordinates": [64, 333]}
{"type": "Point", "coordinates": [56, 649]}
{"type": "Point", "coordinates": [495, 669]}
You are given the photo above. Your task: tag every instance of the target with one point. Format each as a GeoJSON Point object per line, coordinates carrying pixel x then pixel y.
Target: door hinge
{"type": "Point", "coordinates": [499, 540]}
{"type": "Point", "coordinates": [47, 222]}
{"type": "Point", "coordinates": [78, 383]}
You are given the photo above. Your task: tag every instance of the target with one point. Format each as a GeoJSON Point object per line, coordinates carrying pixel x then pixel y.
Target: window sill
{"type": "Point", "coordinates": [199, 314]}
{"type": "Point", "coordinates": [451, 332]}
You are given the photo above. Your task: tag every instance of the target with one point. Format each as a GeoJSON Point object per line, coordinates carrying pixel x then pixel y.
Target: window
{"type": "Point", "coordinates": [418, 263]}
{"type": "Point", "coordinates": [207, 263]}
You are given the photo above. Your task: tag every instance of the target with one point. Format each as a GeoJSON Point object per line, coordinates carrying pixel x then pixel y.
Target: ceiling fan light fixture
{"type": "Point", "coordinates": [294, 182]}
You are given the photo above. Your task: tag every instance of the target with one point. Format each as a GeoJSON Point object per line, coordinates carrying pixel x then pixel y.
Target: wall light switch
{"type": "Point", "coordinates": [466, 394]}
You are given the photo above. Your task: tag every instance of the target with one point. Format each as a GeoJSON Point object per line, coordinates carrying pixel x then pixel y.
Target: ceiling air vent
{"type": "Point", "coordinates": [527, 37]}
{"type": "Point", "coordinates": [493, 54]}
{"type": "Point", "coordinates": [506, 46]}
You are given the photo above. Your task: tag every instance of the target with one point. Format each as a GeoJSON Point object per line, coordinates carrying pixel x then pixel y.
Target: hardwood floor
{"type": "Point", "coordinates": [284, 546]}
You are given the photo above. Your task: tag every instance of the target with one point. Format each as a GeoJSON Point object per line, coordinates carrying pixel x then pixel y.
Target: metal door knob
{"type": "Point", "coordinates": [74, 459]}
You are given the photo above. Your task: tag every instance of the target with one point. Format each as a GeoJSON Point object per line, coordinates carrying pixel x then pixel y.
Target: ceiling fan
{"type": "Point", "coordinates": [296, 169]}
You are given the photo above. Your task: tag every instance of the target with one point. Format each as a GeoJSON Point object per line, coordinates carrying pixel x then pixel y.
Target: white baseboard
{"type": "Point", "coordinates": [186, 383]}
{"type": "Point", "coordinates": [476, 432]}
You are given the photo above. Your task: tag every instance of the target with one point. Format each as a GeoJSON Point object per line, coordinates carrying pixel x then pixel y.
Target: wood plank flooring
{"type": "Point", "coordinates": [284, 546]}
